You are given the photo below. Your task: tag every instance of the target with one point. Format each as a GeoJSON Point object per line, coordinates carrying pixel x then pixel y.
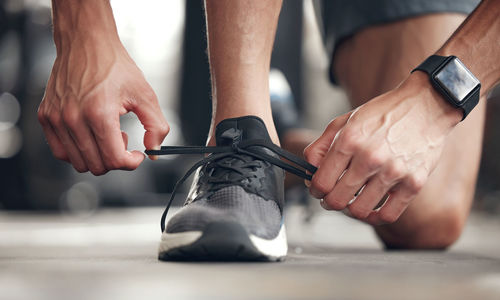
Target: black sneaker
{"type": "Point", "coordinates": [234, 210]}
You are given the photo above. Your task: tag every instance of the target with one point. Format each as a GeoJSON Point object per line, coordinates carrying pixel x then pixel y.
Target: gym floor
{"type": "Point", "coordinates": [112, 255]}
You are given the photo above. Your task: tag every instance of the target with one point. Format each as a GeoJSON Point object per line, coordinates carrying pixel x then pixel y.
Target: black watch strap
{"type": "Point", "coordinates": [433, 64]}
{"type": "Point", "coordinates": [469, 105]}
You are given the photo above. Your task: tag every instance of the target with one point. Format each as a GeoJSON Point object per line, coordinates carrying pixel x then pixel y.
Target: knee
{"type": "Point", "coordinates": [436, 232]}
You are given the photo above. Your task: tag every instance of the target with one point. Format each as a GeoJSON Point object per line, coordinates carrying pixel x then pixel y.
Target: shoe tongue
{"type": "Point", "coordinates": [242, 128]}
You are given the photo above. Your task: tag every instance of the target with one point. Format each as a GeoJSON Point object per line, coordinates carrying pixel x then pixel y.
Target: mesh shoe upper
{"type": "Point", "coordinates": [237, 188]}
{"type": "Point", "coordinates": [259, 216]}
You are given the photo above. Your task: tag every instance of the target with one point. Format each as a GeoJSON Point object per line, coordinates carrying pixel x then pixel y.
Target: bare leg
{"type": "Point", "coordinates": [240, 38]}
{"type": "Point", "coordinates": [436, 217]}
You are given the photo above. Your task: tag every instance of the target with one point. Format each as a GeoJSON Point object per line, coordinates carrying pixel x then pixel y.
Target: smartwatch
{"type": "Point", "coordinates": [451, 78]}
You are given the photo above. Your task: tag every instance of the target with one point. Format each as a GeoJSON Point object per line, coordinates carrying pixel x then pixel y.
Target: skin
{"type": "Point", "coordinates": [240, 72]}
{"type": "Point", "coordinates": [435, 218]}
{"type": "Point", "coordinates": [86, 93]}
{"type": "Point", "coordinates": [391, 143]}
{"type": "Point", "coordinates": [387, 144]}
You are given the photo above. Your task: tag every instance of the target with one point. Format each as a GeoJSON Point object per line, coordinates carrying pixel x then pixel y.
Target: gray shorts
{"type": "Point", "coordinates": [340, 19]}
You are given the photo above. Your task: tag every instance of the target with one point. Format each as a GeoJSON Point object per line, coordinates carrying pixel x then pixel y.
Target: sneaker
{"type": "Point", "coordinates": [234, 210]}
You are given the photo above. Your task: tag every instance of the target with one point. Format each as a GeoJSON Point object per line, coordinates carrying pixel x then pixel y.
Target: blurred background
{"type": "Point", "coordinates": [156, 35]}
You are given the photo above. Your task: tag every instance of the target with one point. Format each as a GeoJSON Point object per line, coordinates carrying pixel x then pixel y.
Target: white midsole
{"type": "Point", "coordinates": [276, 247]}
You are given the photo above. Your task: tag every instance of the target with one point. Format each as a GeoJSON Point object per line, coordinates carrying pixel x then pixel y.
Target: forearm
{"type": "Point", "coordinates": [477, 44]}
{"type": "Point", "coordinates": [89, 21]}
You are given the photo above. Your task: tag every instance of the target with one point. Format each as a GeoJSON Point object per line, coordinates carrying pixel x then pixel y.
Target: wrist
{"type": "Point", "coordinates": [89, 21]}
{"type": "Point", "coordinates": [439, 109]}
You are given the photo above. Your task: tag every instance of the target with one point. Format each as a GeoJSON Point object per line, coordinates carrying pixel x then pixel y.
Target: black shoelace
{"type": "Point", "coordinates": [218, 153]}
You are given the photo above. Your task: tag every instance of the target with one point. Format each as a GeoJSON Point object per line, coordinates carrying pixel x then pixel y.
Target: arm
{"type": "Point", "coordinates": [392, 143]}
{"type": "Point", "coordinates": [93, 82]}
{"type": "Point", "coordinates": [477, 43]}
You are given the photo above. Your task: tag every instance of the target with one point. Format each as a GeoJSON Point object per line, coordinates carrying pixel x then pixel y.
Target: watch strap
{"type": "Point", "coordinates": [469, 105]}
{"type": "Point", "coordinates": [432, 63]}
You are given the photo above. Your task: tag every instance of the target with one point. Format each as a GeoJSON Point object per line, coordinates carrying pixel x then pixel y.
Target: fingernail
{"type": "Point", "coordinates": [307, 183]}
{"type": "Point", "coordinates": [346, 212]}
{"type": "Point", "coordinates": [154, 157]}
{"type": "Point", "coordinates": [132, 153]}
{"type": "Point", "coordinates": [324, 204]}
{"type": "Point", "coordinates": [315, 193]}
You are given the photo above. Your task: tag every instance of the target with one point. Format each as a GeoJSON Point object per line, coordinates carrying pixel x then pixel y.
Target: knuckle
{"type": "Point", "coordinates": [392, 173]}
{"type": "Point", "coordinates": [416, 182]}
{"type": "Point", "coordinates": [70, 117]}
{"type": "Point", "coordinates": [42, 116]}
{"type": "Point", "coordinates": [80, 169]}
{"type": "Point", "coordinates": [309, 152]}
{"type": "Point", "coordinates": [92, 112]}
{"type": "Point", "coordinates": [334, 204]}
{"type": "Point", "coordinates": [321, 185]}
{"type": "Point", "coordinates": [149, 94]}
{"type": "Point", "coordinates": [373, 160]}
{"type": "Point", "coordinates": [98, 171]}
{"type": "Point", "coordinates": [96, 167]}
{"type": "Point", "coordinates": [348, 142]}
{"type": "Point", "coordinates": [388, 217]}
{"type": "Point", "coordinates": [164, 128]}
{"type": "Point", "coordinates": [55, 119]}
{"type": "Point", "coordinates": [359, 212]}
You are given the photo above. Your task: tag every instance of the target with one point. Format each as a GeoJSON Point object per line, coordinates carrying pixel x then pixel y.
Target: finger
{"type": "Point", "coordinates": [376, 189]}
{"type": "Point", "coordinates": [54, 143]}
{"type": "Point", "coordinates": [111, 144]}
{"type": "Point", "coordinates": [393, 208]}
{"type": "Point", "coordinates": [331, 165]}
{"type": "Point", "coordinates": [329, 171]}
{"type": "Point", "coordinates": [316, 151]}
{"type": "Point", "coordinates": [85, 141]}
{"type": "Point", "coordinates": [153, 122]}
{"type": "Point", "coordinates": [307, 183]}
{"type": "Point", "coordinates": [346, 188]}
{"type": "Point", "coordinates": [72, 150]}
{"type": "Point", "coordinates": [400, 198]}
{"type": "Point", "coordinates": [125, 139]}
{"type": "Point", "coordinates": [368, 198]}
{"type": "Point", "coordinates": [364, 165]}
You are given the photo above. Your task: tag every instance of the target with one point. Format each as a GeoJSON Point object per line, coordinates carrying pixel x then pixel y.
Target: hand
{"type": "Point", "coordinates": [93, 83]}
{"type": "Point", "coordinates": [389, 145]}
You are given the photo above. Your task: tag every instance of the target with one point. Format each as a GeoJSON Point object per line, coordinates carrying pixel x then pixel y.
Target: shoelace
{"type": "Point", "coordinates": [231, 170]}
{"type": "Point", "coordinates": [237, 147]}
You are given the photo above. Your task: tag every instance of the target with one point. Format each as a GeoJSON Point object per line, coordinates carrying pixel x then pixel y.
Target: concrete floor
{"type": "Point", "coordinates": [112, 255]}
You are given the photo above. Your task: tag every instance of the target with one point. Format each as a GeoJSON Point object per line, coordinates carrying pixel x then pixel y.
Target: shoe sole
{"type": "Point", "coordinates": [222, 241]}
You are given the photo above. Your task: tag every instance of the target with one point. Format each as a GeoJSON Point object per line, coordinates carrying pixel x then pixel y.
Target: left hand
{"type": "Point", "coordinates": [389, 145]}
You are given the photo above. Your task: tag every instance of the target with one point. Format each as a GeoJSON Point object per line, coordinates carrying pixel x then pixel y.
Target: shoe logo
{"type": "Point", "coordinates": [234, 135]}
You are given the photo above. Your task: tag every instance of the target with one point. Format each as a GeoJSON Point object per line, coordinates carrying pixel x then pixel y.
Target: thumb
{"type": "Point", "coordinates": [153, 121]}
{"type": "Point", "coordinates": [315, 152]}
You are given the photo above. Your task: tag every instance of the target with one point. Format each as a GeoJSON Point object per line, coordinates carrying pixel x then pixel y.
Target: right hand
{"type": "Point", "coordinates": [93, 83]}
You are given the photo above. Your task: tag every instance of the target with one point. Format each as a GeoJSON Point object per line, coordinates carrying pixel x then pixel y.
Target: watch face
{"type": "Point", "coordinates": [456, 79]}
